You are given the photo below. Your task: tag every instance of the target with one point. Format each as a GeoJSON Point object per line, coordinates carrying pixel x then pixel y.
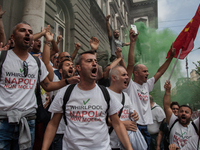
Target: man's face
{"type": "Point", "coordinates": [184, 115]}
{"type": "Point", "coordinates": [88, 67]}
{"type": "Point", "coordinates": [175, 109]}
{"type": "Point", "coordinates": [67, 70]}
{"type": "Point", "coordinates": [143, 74]}
{"type": "Point", "coordinates": [36, 46]}
{"type": "Point", "coordinates": [122, 80]}
{"type": "Point", "coordinates": [23, 36]}
{"type": "Point", "coordinates": [63, 56]}
{"type": "Point", "coordinates": [116, 34]}
{"type": "Point", "coordinates": [54, 60]}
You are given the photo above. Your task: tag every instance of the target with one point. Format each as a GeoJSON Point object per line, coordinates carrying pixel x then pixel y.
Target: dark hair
{"type": "Point", "coordinates": [78, 59]}
{"type": "Point", "coordinates": [186, 106]}
{"type": "Point", "coordinates": [61, 63]}
{"type": "Point", "coordinates": [174, 103]}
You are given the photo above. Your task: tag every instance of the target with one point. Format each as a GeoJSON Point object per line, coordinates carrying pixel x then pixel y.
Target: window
{"type": "Point", "coordinates": [59, 27]}
{"type": "Point", "coordinates": [104, 7]}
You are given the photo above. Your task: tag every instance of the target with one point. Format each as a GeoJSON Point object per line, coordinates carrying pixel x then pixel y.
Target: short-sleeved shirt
{"type": "Point", "coordinates": [139, 95]}
{"type": "Point", "coordinates": [17, 91]}
{"type": "Point", "coordinates": [114, 140]}
{"type": "Point", "coordinates": [85, 115]}
{"type": "Point", "coordinates": [158, 115]}
{"type": "Point", "coordinates": [114, 43]}
{"type": "Point", "coordinates": [179, 134]}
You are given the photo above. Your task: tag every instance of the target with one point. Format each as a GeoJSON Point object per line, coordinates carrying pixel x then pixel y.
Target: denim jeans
{"type": "Point", "coordinates": [9, 134]}
{"type": "Point", "coordinates": [57, 142]}
{"type": "Point", "coordinates": [145, 133]}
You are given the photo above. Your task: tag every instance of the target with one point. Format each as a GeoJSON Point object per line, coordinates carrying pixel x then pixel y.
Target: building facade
{"type": "Point", "coordinates": [79, 20]}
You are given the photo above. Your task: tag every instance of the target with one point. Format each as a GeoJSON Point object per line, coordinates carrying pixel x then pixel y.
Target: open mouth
{"type": "Point", "coordinates": [39, 46]}
{"type": "Point", "coordinates": [26, 40]}
{"type": "Point", "coordinates": [125, 82]}
{"type": "Point", "coordinates": [94, 71]}
{"type": "Point", "coordinates": [70, 71]}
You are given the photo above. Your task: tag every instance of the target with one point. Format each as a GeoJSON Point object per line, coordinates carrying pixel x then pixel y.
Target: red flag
{"type": "Point", "coordinates": [185, 39]}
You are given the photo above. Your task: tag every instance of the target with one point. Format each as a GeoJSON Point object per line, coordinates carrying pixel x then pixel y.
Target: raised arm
{"type": "Point", "coordinates": [94, 44]}
{"type": "Point", "coordinates": [108, 26]}
{"type": "Point", "coordinates": [118, 53]}
{"type": "Point", "coordinates": [167, 101]}
{"type": "Point", "coordinates": [114, 63]}
{"type": "Point", "coordinates": [2, 32]}
{"type": "Point", "coordinates": [42, 33]}
{"type": "Point", "coordinates": [46, 54]}
{"type": "Point", "coordinates": [127, 44]}
{"type": "Point", "coordinates": [77, 47]}
{"type": "Point", "coordinates": [131, 54]}
{"type": "Point", "coordinates": [164, 67]}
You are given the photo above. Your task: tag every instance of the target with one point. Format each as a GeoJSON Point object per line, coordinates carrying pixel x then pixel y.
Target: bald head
{"type": "Point", "coordinates": [62, 56]}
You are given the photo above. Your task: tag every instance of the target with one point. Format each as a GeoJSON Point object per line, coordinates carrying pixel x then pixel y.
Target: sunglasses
{"type": "Point", "coordinates": [25, 67]}
{"type": "Point", "coordinates": [66, 57]}
{"type": "Point", "coordinates": [55, 57]}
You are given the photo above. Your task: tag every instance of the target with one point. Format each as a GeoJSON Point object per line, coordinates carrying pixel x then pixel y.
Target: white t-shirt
{"type": "Point", "coordinates": [180, 135]}
{"type": "Point", "coordinates": [158, 116]}
{"type": "Point", "coordinates": [85, 113]}
{"type": "Point", "coordinates": [17, 91]}
{"type": "Point", "coordinates": [139, 95]}
{"type": "Point", "coordinates": [192, 143]}
{"type": "Point", "coordinates": [114, 140]}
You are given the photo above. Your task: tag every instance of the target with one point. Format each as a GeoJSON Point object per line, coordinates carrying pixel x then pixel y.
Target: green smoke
{"type": "Point", "coordinates": [151, 50]}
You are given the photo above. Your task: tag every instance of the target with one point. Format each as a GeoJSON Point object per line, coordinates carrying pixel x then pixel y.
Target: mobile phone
{"type": "Point", "coordinates": [134, 28]}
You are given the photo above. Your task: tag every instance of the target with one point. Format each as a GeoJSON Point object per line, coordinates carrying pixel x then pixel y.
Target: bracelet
{"type": "Point", "coordinates": [66, 81]}
{"type": "Point", "coordinates": [95, 51]}
{"type": "Point", "coordinates": [48, 43]}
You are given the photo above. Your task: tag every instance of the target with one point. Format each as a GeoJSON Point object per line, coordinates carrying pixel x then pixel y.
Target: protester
{"type": "Point", "coordinates": [119, 78]}
{"type": "Point", "coordinates": [158, 115]}
{"type": "Point", "coordinates": [84, 129]}
{"type": "Point", "coordinates": [17, 90]}
{"type": "Point", "coordinates": [114, 41]}
{"type": "Point", "coordinates": [181, 126]}
{"type": "Point", "coordinates": [163, 135]}
{"type": "Point", "coordinates": [138, 89]}
{"type": "Point", "coordinates": [119, 60]}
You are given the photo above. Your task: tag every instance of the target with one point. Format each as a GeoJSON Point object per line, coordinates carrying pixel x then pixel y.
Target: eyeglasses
{"type": "Point", "coordinates": [67, 57]}
{"type": "Point", "coordinates": [55, 57]}
{"type": "Point", "coordinates": [25, 67]}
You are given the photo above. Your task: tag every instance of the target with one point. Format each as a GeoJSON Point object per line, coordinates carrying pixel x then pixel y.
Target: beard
{"type": "Point", "coordinates": [65, 74]}
{"type": "Point", "coordinates": [185, 122]}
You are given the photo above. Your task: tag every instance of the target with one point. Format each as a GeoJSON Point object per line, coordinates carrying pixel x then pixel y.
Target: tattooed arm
{"type": "Point", "coordinates": [52, 86]}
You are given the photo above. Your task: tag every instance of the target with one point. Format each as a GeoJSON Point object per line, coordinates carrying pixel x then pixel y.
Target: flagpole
{"type": "Point", "coordinates": [175, 63]}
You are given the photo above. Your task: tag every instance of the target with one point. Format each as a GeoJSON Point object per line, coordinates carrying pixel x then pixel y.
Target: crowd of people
{"type": "Point", "coordinates": [89, 107]}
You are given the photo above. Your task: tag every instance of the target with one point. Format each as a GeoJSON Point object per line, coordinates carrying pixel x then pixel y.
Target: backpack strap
{"type": "Point", "coordinates": [39, 65]}
{"type": "Point", "coordinates": [107, 98]}
{"type": "Point", "coordinates": [173, 125]}
{"type": "Point", "coordinates": [106, 95]}
{"type": "Point", "coordinates": [66, 99]}
{"type": "Point", "coordinates": [195, 127]}
{"type": "Point", "coordinates": [123, 100]}
{"type": "Point", "coordinates": [38, 91]}
{"type": "Point", "coordinates": [69, 91]}
{"type": "Point", "coordinates": [2, 59]}
{"type": "Point", "coordinates": [153, 107]}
